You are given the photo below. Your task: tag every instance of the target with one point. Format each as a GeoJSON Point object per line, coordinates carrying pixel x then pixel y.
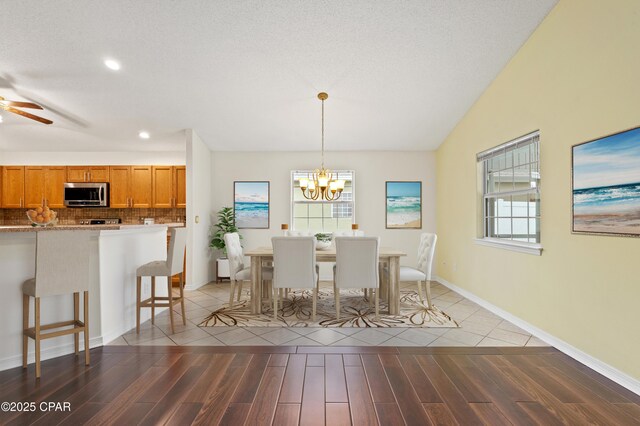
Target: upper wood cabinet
{"type": "Point", "coordinates": [130, 187]}
{"type": "Point", "coordinates": [180, 185]}
{"type": "Point", "coordinates": [44, 184]}
{"type": "Point", "coordinates": [88, 174]}
{"type": "Point", "coordinates": [12, 187]}
{"type": "Point", "coordinates": [169, 187]}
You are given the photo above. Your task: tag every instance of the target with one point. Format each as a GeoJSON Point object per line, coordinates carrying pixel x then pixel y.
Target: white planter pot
{"type": "Point", "coordinates": [222, 268]}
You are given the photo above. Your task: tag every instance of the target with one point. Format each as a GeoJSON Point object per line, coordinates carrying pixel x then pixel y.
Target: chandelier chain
{"type": "Point", "coordinates": [322, 133]}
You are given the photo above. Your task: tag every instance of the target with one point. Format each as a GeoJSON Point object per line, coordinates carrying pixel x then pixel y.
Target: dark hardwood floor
{"type": "Point", "coordinates": [319, 385]}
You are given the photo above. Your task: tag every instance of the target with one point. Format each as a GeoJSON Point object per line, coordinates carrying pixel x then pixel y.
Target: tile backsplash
{"type": "Point", "coordinates": [70, 216]}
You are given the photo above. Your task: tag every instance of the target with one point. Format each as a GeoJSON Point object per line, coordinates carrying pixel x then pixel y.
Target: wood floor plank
{"type": "Point", "coordinates": [409, 403]}
{"type": "Point", "coordinates": [468, 388]}
{"type": "Point", "coordinates": [351, 360]}
{"type": "Point", "coordinates": [337, 414]}
{"type": "Point", "coordinates": [360, 402]}
{"type": "Point", "coordinates": [278, 360]}
{"type": "Point", "coordinates": [218, 364]}
{"type": "Point", "coordinates": [448, 391]}
{"type": "Point", "coordinates": [168, 379]}
{"type": "Point", "coordinates": [422, 385]}
{"type": "Point", "coordinates": [165, 408]}
{"type": "Point", "coordinates": [558, 389]}
{"type": "Point", "coordinates": [604, 413]}
{"type": "Point", "coordinates": [315, 360]}
{"type": "Point", "coordinates": [335, 384]}
{"type": "Point", "coordinates": [490, 415]}
{"type": "Point", "coordinates": [83, 414]}
{"type": "Point", "coordinates": [377, 379]}
{"type": "Point", "coordinates": [514, 390]}
{"type": "Point", "coordinates": [236, 414]}
{"type": "Point", "coordinates": [292, 385]}
{"type": "Point", "coordinates": [219, 396]}
{"type": "Point", "coordinates": [541, 414]}
{"type": "Point", "coordinates": [312, 408]}
{"type": "Point", "coordinates": [246, 391]}
{"type": "Point", "coordinates": [185, 414]}
{"type": "Point", "coordinates": [389, 413]}
{"type": "Point", "coordinates": [264, 405]}
{"type": "Point", "coordinates": [287, 415]}
{"type": "Point", "coordinates": [134, 414]}
{"type": "Point", "coordinates": [439, 414]}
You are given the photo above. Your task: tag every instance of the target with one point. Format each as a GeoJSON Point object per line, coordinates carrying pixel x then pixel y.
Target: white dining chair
{"type": "Point", "coordinates": [422, 273]}
{"type": "Point", "coordinates": [237, 271]}
{"type": "Point", "coordinates": [294, 266]}
{"type": "Point", "coordinates": [356, 267]}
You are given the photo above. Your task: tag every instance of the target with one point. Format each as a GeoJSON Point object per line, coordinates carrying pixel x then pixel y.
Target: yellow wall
{"type": "Point", "coordinates": [577, 78]}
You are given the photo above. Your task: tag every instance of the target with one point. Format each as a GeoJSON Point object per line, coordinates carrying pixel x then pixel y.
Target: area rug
{"type": "Point", "coordinates": [295, 311]}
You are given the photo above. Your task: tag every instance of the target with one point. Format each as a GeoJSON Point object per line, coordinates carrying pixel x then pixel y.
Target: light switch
{"type": "Point", "coordinates": [197, 219]}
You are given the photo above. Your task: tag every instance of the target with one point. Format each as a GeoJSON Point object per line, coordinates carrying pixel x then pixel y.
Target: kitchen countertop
{"type": "Point", "coordinates": [29, 228]}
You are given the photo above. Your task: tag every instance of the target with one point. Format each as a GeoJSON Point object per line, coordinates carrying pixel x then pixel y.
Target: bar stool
{"type": "Point", "coordinates": [62, 267]}
{"type": "Point", "coordinates": [163, 268]}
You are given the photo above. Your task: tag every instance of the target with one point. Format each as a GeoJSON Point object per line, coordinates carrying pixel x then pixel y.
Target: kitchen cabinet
{"type": "Point", "coordinates": [88, 174]}
{"type": "Point", "coordinates": [44, 184]}
{"type": "Point", "coordinates": [180, 197]}
{"type": "Point", "coordinates": [13, 187]}
{"type": "Point", "coordinates": [169, 186]}
{"type": "Point", "coordinates": [163, 186]}
{"type": "Point", "coordinates": [130, 187]}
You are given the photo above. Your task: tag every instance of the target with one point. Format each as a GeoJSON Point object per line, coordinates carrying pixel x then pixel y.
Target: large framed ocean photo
{"type": "Point", "coordinates": [606, 185]}
{"type": "Point", "coordinates": [251, 204]}
{"type": "Point", "coordinates": [403, 205]}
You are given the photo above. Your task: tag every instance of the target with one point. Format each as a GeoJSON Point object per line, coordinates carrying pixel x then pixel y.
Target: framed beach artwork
{"type": "Point", "coordinates": [251, 204]}
{"type": "Point", "coordinates": [403, 205]}
{"type": "Point", "coordinates": [606, 185]}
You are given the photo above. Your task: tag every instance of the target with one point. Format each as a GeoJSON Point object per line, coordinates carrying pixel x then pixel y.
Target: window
{"type": "Point", "coordinates": [511, 190]}
{"type": "Point", "coordinates": [322, 216]}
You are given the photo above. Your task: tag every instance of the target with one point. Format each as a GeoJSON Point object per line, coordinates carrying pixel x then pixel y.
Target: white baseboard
{"type": "Point", "coordinates": [52, 352]}
{"type": "Point", "coordinates": [601, 367]}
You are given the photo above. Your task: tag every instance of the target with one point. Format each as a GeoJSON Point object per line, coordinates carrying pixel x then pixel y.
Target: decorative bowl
{"type": "Point", "coordinates": [323, 245]}
{"type": "Point", "coordinates": [42, 216]}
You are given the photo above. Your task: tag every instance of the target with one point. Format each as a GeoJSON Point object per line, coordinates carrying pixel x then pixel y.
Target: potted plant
{"type": "Point", "coordinates": [323, 241]}
{"type": "Point", "coordinates": [226, 224]}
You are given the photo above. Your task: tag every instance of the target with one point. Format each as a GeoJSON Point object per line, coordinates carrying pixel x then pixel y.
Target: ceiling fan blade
{"type": "Point", "coordinates": [26, 114]}
{"type": "Point", "coordinates": [20, 104]}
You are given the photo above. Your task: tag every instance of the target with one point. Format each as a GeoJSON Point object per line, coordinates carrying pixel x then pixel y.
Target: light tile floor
{"type": "Point", "coordinates": [479, 327]}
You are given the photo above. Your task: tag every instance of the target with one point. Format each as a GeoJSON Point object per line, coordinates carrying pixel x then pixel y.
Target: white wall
{"type": "Point", "coordinates": [372, 169]}
{"type": "Point", "coordinates": [160, 158]}
{"type": "Point", "coordinates": [199, 210]}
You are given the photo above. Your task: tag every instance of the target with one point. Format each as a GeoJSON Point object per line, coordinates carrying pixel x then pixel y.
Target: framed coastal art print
{"type": "Point", "coordinates": [606, 185]}
{"type": "Point", "coordinates": [403, 205]}
{"type": "Point", "coordinates": [251, 204]}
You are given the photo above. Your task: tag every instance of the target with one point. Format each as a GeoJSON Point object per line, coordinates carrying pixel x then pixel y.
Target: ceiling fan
{"type": "Point", "coordinates": [12, 106]}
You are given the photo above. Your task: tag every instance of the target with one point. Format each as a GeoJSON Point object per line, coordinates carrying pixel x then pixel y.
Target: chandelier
{"type": "Point", "coordinates": [322, 184]}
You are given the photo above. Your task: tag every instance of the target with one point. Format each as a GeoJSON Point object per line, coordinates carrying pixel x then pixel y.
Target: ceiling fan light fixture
{"type": "Point", "coordinates": [144, 135]}
{"type": "Point", "coordinates": [112, 64]}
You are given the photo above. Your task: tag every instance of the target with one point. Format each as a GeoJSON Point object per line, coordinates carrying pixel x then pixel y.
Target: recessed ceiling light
{"type": "Point", "coordinates": [144, 135]}
{"type": "Point", "coordinates": [112, 64]}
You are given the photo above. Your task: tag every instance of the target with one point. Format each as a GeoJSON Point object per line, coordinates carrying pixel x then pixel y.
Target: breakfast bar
{"type": "Point", "coordinates": [115, 253]}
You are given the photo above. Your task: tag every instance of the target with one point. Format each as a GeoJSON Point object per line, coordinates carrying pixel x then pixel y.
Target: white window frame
{"type": "Point", "coordinates": [292, 201]}
{"type": "Point", "coordinates": [486, 240]}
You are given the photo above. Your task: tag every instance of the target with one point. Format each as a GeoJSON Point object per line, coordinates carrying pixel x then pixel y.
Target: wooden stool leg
{"type": "Point", "coordinates": [170, 303]}
{"type": "Point", "coordinates": [377, 290]}
{"type": "Point", "coordinates": [25, 325]}
{"type": "Point", "coordinates": [239, 289]}
{"type": "Point", "coordinates": [184, 319]}
{"type": "Point", "coordinates": [315, 297]}
{"type": "Point", "coordinates": [86, 327]}
{"type": "Point", "coordinates": [275, 303]}
{"type": "Point", "coordinates": [232, 283]}
{"type": "Point", "coordinates": [76, 317]}
{"type": "Point", "coordinates": [37, 336]}
{"type": "Point", "coordinates": [420, 291]}
{"type": "Point", "coordinates": [427, 288]}
{"type": "Point", "coordinates": [153, 299]}
{"type": "Point", "coordinates": [138, 290]}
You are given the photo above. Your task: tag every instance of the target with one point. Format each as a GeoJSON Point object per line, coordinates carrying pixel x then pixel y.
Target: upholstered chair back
{"type": "Point", "coordinates": [426, 249]}
{"type": "Point", "coordinates": [62, 262]}
{"type": "Point", "coordinates": [175, 255]}
{"type": "Point", "coordinates": [294, 262]}
{"type": "Point", "coordinates": [234, 253]}
{"type": "Point", "coordinates": [357, 262]}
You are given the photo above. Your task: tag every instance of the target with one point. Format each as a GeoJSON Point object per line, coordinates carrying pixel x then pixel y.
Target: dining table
{"type": "Point", "coordinates": [389, 276]}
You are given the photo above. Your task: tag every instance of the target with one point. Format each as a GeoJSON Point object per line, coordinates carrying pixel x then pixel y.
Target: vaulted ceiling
{"type": "Point", "coordinates": [245, 74]}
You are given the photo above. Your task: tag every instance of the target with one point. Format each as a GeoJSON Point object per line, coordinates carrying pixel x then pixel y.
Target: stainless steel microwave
{"type": "Point", "coordinates": [94, 194]}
